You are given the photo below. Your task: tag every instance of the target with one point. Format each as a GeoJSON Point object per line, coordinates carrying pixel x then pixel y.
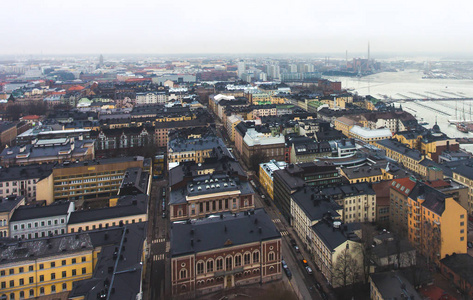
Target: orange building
{"type": "Point", "coordinates": [437, 223]}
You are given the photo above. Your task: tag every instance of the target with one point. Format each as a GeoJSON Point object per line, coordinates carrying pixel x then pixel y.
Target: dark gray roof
{"type": "Point", "coordinates": [102, 161]}
{"type": "Point", "coordinates": [118, 272]}
{"type": "Point", "coordinates": [393, 285]}
{"type": "Point", "coordinates": [348, 190]}
{"type": "Point", "coordinates": [314, 204]}
{"type": "Point", "coordinates": [461, 264]}
{"type": "Point", "coordinates": [397, 146]}
{"type": "Point", "coordinates": [43, 247]}
{"type": "Point", "coordinates": [434, 200]}
{"type": "Point", "coordinates": [134, 181]}
{"type": "Point", "coordinates": [364, 171]}
{"type": "Point", "coordinates": [8, 203]}
{"type": "Point", "coordinates": [25, 172]}
{"type": "Point", "coordinates": [23, 213]}
{"type": "Point", "coordinates": [332, 237]}
{"type": "Point", "coordinates": [221, 231]}
{"type": "Point", "coordinates": [126, 206]}
{"type": "Point", "coordinates": [389, 248]}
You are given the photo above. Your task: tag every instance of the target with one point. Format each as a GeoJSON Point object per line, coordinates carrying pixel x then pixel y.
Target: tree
{"type": "Point", "coordinates": [256, 159]}
{"type": "Point", "coordinates": [346, 269]}
{"type": "Point", "coordinates": [365, 248]}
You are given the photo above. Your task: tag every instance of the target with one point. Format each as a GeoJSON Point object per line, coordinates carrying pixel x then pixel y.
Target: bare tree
{"type": "Point", "coordinates": [365, 248]}
{"type": "Point", "coordinates": [346, 269]}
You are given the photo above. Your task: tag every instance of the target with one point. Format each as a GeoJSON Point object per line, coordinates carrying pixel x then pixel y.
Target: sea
{"type": "Point", "coordinates": [406, 84]}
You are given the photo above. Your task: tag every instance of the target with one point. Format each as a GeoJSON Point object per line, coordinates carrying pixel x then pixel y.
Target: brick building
{"type": "Point", "coordinates": [223, 252]}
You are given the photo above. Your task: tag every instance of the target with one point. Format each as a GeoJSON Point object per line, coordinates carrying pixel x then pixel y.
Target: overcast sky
{"type": "Point", "coordinates": [242, 26]}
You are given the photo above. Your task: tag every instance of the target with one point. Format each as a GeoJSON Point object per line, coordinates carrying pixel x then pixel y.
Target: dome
{"type": "Point", "coordinates": [436, 128]}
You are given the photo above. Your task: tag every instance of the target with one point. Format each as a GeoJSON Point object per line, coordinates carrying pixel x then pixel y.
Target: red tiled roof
{"type": "Point", "coordinates": [31, 117]}
{"type": "Point", "coordinates": [437, 183]}
{"type": "Point", "coordinates": [403, 185]}
{"type": "Point", "coordinates": [76, 88]}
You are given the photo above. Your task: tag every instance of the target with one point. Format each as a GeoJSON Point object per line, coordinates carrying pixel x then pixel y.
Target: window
{"type": "Point", "coordinates": [53, 264]}
{"type": "Point", "coordinates": [200, 267]}
{"type": "Point", "coordinates": [183, 273]}
{"type": "Point", "coordinates": [31, 293]}
{"type": "Point", "coordinates": [41, 291]}
{"type": "Point", "coordinates": [21, 270]}
{"type": "Point", "coordinates": [31, 279]}
{"type": "Point", "coordinates": [462, 238]}
{"type": "Point", "coordinates": [2, 273]}
{"type": "Point", "coordinates": [84, 270]}
{"type": "Point", "coordinates": [64, 274]}
{"type": "Point", "coordinates": [64, 286]}
{"type": "Point", "coordinates": [228, 263]}
{"type": "Point", "coordinates": [237, 260]}
{"type": "Point", "coordinates": [4, 285]}
{"type": "Point", "coordinates": [74, 272]}
{"type": "Point", "coordinates": [12, 283]}
{"type": "Point", "coordinates": [41, 266]}
{"type": "Point", "coordinates": [73, 260]}
{"type": "Point", "coordinates": [22, 295]}
{"type": "Point", "coordinates": [22, 281]}
{"type": "Point", "coordinates": [219, 264]}
{"type": "Point", "coordinates": [83, 258]}
{"type": "Point", "coordinates": [210, 266]}
{"type": "Point", "coordinates": [255, 257]}
{"type": "Point", "coordinates": [53, 276]}
{"type": "Point", "coordinates": [63, 262]}
{"type": "Point", "coordinates": [271, 256]}
{"type": "Point", "coordinates": [247, 258]}
{"type": "Point", "coordinates": [53, 288]}
{"type": "Point", "coordinates": [41, 278]}
{"type": "Point", "coordinates": [12, 271]}
{"type": "Point", "coordinates": [12, 296]}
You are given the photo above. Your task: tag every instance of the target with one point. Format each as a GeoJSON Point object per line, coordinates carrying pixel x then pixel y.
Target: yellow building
{"type": "Point", "coordinates": [342, 100]}
{"type": "Point", "coordinates": [266, 175]}
{"type": "Point", "coordinates": [195, 149]}
{"type": "Point", "coordinates": [410, 158]}
{"type": "Point", "coordinates": [437, 224]}
{"type": "Point", "coordinates": [87, 180]}
{"type": "Point", "coordinates": [8, 206]}
{"type": "Point", "coordinates": [464, 174]}
{"type": "Point", "coordinates": [45, 266]}
{"type": "Point", "coordinates": [344, 124]}
{"type": "Point", "coordinates": [59, 265]}
{"type": "Point", "coordinates": [123, 210]}
{"type": "Point", "coordinates": [363, 174]}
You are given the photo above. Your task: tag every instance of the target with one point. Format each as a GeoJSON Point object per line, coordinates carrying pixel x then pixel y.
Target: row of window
{"type": "Point", "coordinates": [37, 224]}
{"type": "Point", "coordinates": [15, 183]}
{"type": "Point", "coordinates": [31, 293]}
{"type": "Point", "coordinates": [41, 267]}
{"type": "Point", "coordinates": [230, 262]}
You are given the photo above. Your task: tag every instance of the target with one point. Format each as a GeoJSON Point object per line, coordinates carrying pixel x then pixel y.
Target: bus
{"type": "Point", "coordinates": [158, 166]}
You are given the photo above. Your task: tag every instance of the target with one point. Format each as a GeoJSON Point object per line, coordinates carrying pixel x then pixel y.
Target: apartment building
{"type": "Point", "coordinates": [265, 175]}
{"type": "Point", "coordinates": [29, 222]}
{"type": "Point", "coordinates": [437, 224]}
{"type": "Point", "coordinates": [399, 194]}
{"type": "Point", "coordinates": [88, 182]}
{"type": "Point", "coordinates": [22, 180]}
{"type": "Point", "coordinates": [8, 205]}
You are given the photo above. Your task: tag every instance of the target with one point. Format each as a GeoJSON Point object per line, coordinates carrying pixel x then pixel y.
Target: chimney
{"type": "Point", "coordinates": [448, 145]}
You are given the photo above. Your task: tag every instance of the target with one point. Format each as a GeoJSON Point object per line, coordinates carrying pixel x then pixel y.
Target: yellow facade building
{"type": "Point", "coordinates": [437, 224]}
{"type": "Point", "coordinates": [265, 175]}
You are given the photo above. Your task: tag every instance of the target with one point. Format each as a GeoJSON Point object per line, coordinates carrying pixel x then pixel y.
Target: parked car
{"type": "Point", "coordinates": [318, 286]}
{"type": "Point", "coordinates": [288, 273]}
{"type": "Point", "coordinates": [293, 242]}
{"type": "Point", "coordinates": [297, 249]}
{"type": "Point", "coordinates": [164, 214]}
{"type": "Point", "coordinates": [309, 270]}
{"type": "Point", "coordinates": [283, 263]}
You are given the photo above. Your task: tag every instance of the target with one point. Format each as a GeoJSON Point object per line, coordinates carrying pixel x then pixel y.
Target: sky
{"type": "Point", "coordinates": [243, 26]}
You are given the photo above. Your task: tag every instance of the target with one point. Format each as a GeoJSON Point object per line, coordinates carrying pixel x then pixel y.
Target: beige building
{"type": "Point", "coordinates": [8, 206]}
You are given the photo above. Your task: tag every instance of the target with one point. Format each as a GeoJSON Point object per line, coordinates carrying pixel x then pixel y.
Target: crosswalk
{"type": "Point", "coordinates": [276, 221]}
{"type": "Point", "coordinates": [284, 233]}
{"type": "Point", "coordinates": [157, 257]}
{"type": "Point", "coordinates": [155, 241]}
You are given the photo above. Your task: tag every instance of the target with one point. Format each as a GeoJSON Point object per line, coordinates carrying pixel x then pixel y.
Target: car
{"type": "Point", "coordinates": [309, 270]}
{"type": "Point", "coordinates": [288, 273]}
{"type": "Point", "coordinates": [469, 244]}
{"type": "Point", "coordinates": [293, 242]}
{"type": "Point", "coordinates": [164, 215]}
{"type": "Point", "coordinates": [318, 286]}
{"type": "Point", "coordinates": [283, 263]}
{"type": "Point", "coordinates": [304, 262]}
{"type": "Point", "coordinates": [297, 249]}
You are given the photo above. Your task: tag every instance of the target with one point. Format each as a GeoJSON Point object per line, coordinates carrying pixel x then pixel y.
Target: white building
{"type": "Point", "coordinates": [151, 98]}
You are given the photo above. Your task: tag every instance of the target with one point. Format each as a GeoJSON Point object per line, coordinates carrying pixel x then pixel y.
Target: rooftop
{"type": "Point", "coordinates": [333, 237]}
{"type": "Point", "coordinates": [36, 171]}
{"type": "Point", "coordinates": [393, 285]}
{"type": "Point", "coordinates": [23, 213]}
{"type": "Point", "coordinates": [220, 231]}
{"type": "Point", "coordinates": [10, 202]}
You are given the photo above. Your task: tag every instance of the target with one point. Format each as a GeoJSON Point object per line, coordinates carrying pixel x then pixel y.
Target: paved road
{"type": "Point", "coordinates": [157, 240]}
